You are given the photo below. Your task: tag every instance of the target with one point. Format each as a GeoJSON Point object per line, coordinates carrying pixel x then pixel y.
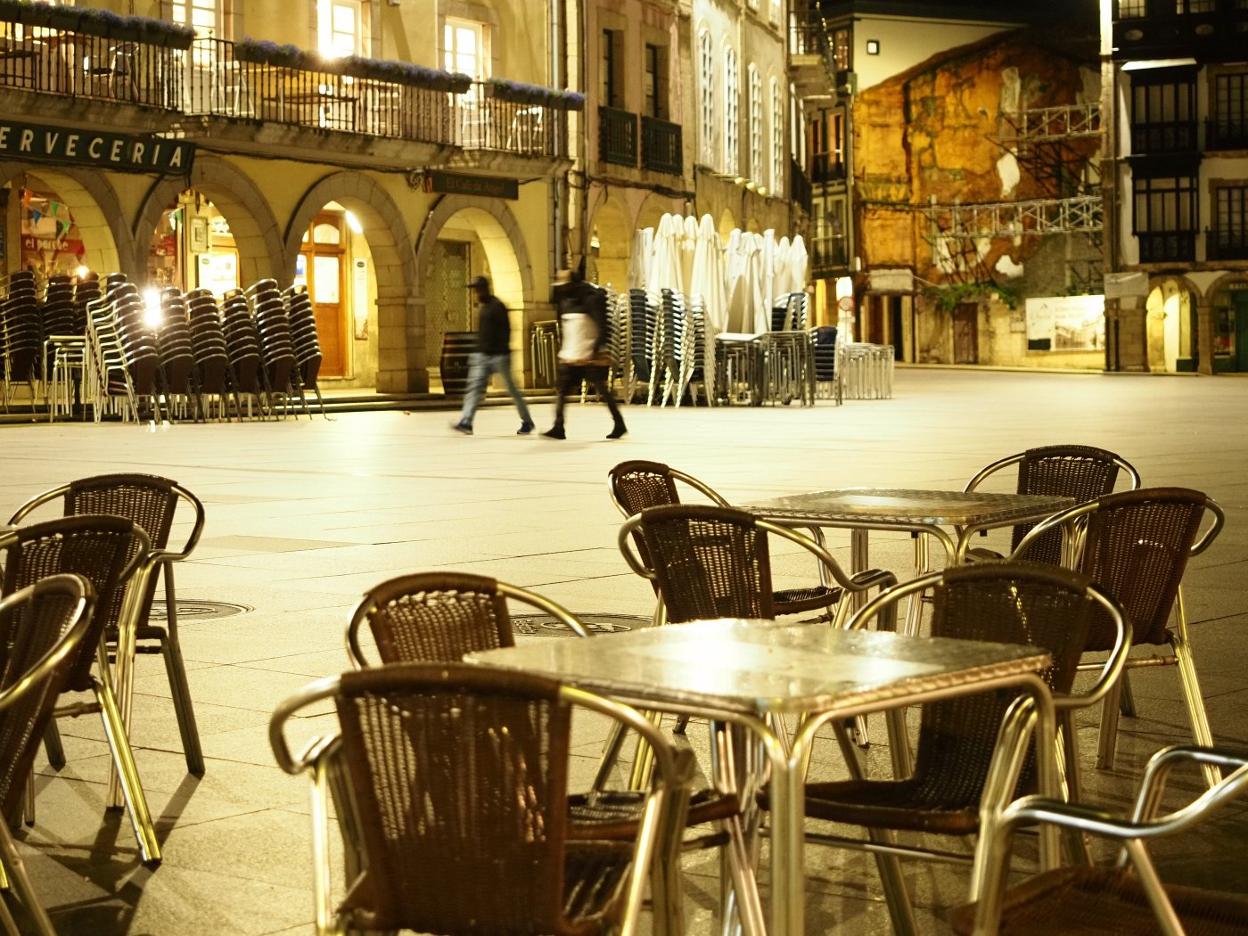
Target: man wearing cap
{"type": "Point", "coordinates": [493, 356]}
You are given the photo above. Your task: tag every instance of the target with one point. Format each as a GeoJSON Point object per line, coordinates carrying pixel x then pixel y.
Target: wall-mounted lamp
{"type": "Point", "coordinates": [873, 47]}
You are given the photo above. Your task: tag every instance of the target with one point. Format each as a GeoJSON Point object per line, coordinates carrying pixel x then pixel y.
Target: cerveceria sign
{"type": "Point", "coordinates": [126, 152]}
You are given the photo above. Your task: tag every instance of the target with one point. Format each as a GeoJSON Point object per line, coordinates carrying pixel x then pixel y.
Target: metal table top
{"type": "Point", "coordinates": [755, 667]}
{"type": "Point", "coordinates": [905, 506]}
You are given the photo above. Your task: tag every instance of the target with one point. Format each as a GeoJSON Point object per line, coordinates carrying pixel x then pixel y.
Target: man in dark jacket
{"type": "Point", "coordinates": [493, 356]}
{"type": "Point", "coordinates": [583, 354]}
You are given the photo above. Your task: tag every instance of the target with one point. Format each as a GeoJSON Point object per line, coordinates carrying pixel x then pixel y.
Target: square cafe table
{"type": "Point", "coordinates": [741, 672]}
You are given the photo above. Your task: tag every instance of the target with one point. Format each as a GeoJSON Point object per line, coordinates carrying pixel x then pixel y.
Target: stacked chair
{"type": "Point", "coordinates": [825, 362]}
{"type": "Point", "coordinates": [307, 346]}
{"type": "Point", "coordinates": [63, 342]}
{"type": "Point", "coordinates": [22, 338]}
{"type": "Point", "coordinates": [242, 340]}
{"type": "Point", "coordinates": [208, 347]}
{"type": "Point", "coordinates": [620, 343]}
{"type": "Point", "coordinates": [173, 344]}
{"type": "Point", "coordinates": [141, 358]}
{"type": "Point", "coordinates": [277, 349]}
{"type": "Point", "coordinates": [642, 319]}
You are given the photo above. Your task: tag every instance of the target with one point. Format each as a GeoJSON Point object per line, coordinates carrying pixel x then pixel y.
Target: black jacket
{"type": "Point", "coordinates": [586, 299]}
{"type": "Point", "coordinates": [494, 328]}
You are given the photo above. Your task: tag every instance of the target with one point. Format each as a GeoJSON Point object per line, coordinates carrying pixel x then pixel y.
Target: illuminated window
{"type": "Point", "coordinates": [777, 138]}
{"type": "Point", "coordinates": [706, 84]}
{"type": "Point", "coordinates": [732, 110]}
{"type": "Point", "coordinates": [756, 125]}
{"type": "Point", "coordinates": [204, 16]}
{"type": "Point", "coordinates": [463, 48]}
{"type": "Point", "coordinates": [340, 27]}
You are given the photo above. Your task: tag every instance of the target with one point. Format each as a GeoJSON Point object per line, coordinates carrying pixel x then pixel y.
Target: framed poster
{"type": "Point", "coordinates": [199, 235]}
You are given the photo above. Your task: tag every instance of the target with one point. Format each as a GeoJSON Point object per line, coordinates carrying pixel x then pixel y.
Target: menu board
{"type": "Point", "coordinates": [1066, 323]}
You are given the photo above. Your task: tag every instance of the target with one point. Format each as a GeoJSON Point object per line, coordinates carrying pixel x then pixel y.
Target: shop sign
{"type": "Point", "coordinates": [53, 244]}
{"type": "Point", "coordinates": [122, 151]}
{"type": "Point", "coordinates": [451, 183]}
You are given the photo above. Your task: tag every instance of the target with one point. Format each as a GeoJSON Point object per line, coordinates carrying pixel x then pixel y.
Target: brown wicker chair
{"type": "Point", "coordinates": [42, 629]}
{"type": "Point", "coordinates": [1136, 545]}
{"type": "Point", "coordinates": [460, 781]}
{"type": "Point", "coordinates": [958, 748]}
{"type": "Point", "coordinates": [638, 485]}
{"type": "Point", "coordinates": [1126, 899]}
{"type": "Point", "coordinates": [1079, 471]}
{"type": "Point", "coordinates": [150, 502]}
{"type": "Point", "coordinates": [109, 552]}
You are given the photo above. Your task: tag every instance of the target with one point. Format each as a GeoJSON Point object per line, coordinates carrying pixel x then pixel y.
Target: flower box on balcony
{"type": "Point", "coordinates": [95, 22]}
{"type": "Point", "coordinates": [519, 92]}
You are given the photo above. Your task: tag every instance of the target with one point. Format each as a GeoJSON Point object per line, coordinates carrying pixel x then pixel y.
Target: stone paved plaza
{"type": "Point", "coordinates": [303, 517]}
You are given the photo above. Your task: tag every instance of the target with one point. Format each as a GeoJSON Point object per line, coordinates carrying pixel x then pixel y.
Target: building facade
{"type": "Point", "coordinates": [333, 163]}
{"type": "Point", "coordinates": [1178, 283]}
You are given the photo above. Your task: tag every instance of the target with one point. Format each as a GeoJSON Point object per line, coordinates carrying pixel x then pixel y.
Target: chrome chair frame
{"type": "Point", "coordinates": [1180, 642]}
{"type": "Point", "coordinates": [13, 874]}
{"type": "Point", "coordinates": [1143, 825]}
{"type": "Point", "coordinates": [661, 822]}
{"type": "Point", "coordinates": [159, 562]}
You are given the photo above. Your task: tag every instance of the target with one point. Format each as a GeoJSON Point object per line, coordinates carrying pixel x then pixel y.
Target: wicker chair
{"type": "Point", "coordinates": [440, 617]}
{"type": "Point", "coordinates": [636, 485]}
{"type": "Point", "coordinates": [957, 772]}
{"type": "Point", "coordinates": [151, 503]}
{"type": "Point", "coordinates": [108, 552]}
{"type": "Point", "coordinates": [480, 757]}
{"type": "Point", "coordinates": [1136, 545]}
{"type": "Point", "coordinates": [1126, 899]}
{"type": "Point", "coordinates": [1079, 471]}
{"type": "Point", "coordinates": [42, 629]}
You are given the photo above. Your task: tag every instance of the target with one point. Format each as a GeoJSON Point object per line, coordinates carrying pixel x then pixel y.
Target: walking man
{"type": "Point", "coordinates": [582, 350]}
{"type": "Point", "coordinates": [493, 356]}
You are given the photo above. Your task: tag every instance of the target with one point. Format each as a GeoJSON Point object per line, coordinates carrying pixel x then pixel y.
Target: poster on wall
{"type": "Point", "coordinates": [1066, 323]}
{"type": "Point", "coordinates": [218, 272]}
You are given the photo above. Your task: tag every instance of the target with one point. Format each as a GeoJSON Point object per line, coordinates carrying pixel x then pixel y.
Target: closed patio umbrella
{"type": "Point", "coordinates": [709, 283]}
{"type": "Point", "coordinates": [639, 259]}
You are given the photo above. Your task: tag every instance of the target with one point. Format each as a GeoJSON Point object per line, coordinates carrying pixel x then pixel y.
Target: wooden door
{"type": "Point", "coordinates": [325, 265]}
{"type": "Point", "coordinates": [449, 303]}
{"type": "Point", "coordinates": [966, 334]}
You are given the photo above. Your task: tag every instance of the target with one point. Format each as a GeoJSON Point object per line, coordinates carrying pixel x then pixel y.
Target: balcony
{"type": "Point", "coordinates": [1166, 30]}
{"type": "Point", "coordinates": [1226, 245]}
{"type": "Point", "coordinates": [1152, 139]}
{"type": "Point", "coordinates": [829, 256]}
{"type": "Point", "coordinates": [826, 168]}
{"type": "Point", "coordinates": [1167, 246]}
{"type": "Point", "coordinates": [617, 136]}
{"type": "Point", "coordinates": [802, 191]}
{"type": "Point", "coordinates": [662, 146]}
{"type": "Point", "coordinates": [1224, 134]}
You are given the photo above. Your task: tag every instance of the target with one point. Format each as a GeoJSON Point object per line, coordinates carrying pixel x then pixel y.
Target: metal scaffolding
{"type": "Point", "coordinates": [1079, 214]}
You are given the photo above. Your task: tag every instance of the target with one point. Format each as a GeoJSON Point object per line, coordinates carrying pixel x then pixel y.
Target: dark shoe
{"type": "Point", "coordinates": [525, 428]}
{"type": "Point", "coordinates": [465, 428]}
{"type": "Point", "coordinates": [555, 432]}
{"type": "Point", "coordinates": [618, 432]}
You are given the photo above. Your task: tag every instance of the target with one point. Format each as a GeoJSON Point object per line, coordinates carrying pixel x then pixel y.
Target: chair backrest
{"type": "Point", "coordinates": [708, 562]}
{"type": "Point", "coordinates": [1081, 472]}
{"type": "Point", "coordinates": [1041, 605]}
{"type": "Point", "coordinates": [1136, 546]}
{"type": "Point", "coordinates": [460, 781]}
{"type": "Point", "coordinates": [636, 485]}
{"type": "Point", "coordinates": [41, 628]}
{"type": "Point", "coordinates": [105, 550]}
{"type": "Point", "coordinates": [432, 617]}
{"type": "Point", "coordinates": [146, 500]}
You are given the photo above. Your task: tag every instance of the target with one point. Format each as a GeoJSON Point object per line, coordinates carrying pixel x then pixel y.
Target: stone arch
{"type": "Point", "coordinates": [1233, 278]}
{"type": "Point", "coordinates": [1156, 280]}
{"type": "Point", "coordinates": [653, 209]}
{"type": "Point", "coordinates": [96, 210]}
{"type": "Point", "coordinates": [727, 222]}
{"type": "Point", "coordinates": [256, 234]}
{"type": "Point", "coordinates": [612, 224]}
{"type": "Point", "coordinates": [1171, 320]}
{"type": "Point", "coordinates": [401, 363]}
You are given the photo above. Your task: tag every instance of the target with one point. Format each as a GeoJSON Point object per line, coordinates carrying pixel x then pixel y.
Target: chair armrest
{"type": "Point", "coordinates": [625, 541]}
{"type": "Point", "coordinates": [1148, 801]}
{"type": "Point", "coordinates": [193, 540]}
{"type": "Point", "coordinates": [1115, 662]}
{"type": "Point", "coordinates": [314, 749]}
{"type": "Point", "coordinates": [872, 578]}
{"type": "Point", "coordinates": [542, 603]}
{"type": "Point", "coordinates": [825, 557]}
{"type": "Point", "coordinates": [37, 501]}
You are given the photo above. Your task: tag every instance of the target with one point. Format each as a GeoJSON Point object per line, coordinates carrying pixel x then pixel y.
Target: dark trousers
{"type": "Point", "coordinates": [570, 377]}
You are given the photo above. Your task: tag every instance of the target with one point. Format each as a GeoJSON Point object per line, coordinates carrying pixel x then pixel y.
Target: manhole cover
{"type": "Point", "coordinates": [195, 609]}
{"type": "Point", "coordinates": [543, 625]}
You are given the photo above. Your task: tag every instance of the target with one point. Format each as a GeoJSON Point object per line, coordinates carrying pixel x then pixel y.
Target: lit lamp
{"type": "Point", "coordinates": [82, 272]}
{"type": "Point", "coordinates": [153, 314]}
{"type": "Point", "coordinates": [844, 310]}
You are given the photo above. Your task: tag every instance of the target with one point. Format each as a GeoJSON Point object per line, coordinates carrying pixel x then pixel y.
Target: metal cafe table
{"type": "Point", "coordinates": [742, 672]}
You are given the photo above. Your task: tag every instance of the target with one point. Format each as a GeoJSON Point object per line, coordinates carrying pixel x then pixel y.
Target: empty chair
{"type": "Point", "coordinates": [174, 348]}
{"type": "Point", "coordinates": [23, 343]}
{"type": "Point", "coordinates": [482, 756]}
{"type": "Point", "coordinates": [277, 351]}
{"type": "Point", "coordinates": [1136, 544]}
{"type": "Point", "coordinates": [42, 629]}
{"type": "Point", "coordinates": [1128, 898]}
{"type": "Point", "coordinates": [208, 347]}
{"type": "Point", "coordinates": [151, 503]}
{"type": "Point", "coordinates": [1082, 472]}
{"type": "Point", "coordinates": [242, 341]}
{"type": "Point", "coordinates": [306, 344]}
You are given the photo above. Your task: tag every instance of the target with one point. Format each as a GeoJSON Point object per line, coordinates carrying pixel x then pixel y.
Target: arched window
{"type": "Point", "coordinates": [732, 110]}
{"type": "Point", "coordinates": [777, 139]}
{"type": "Point", "coordinates": [756, 126]}
{"type": "Point", "coordinates": [706, 84]}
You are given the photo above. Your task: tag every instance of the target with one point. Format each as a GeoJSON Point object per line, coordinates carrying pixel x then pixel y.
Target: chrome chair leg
{"type": "Point", "coordinates": [1107, 744]}
{"type": "Point", "coordinates": [127, 774]}
{"type": "Point", "coordinates": [896, 895]}
{"type": "Point", "coordinates": [16, 869]}
{"type": "Point", "coordinates": [1201, 731]}
{"type": "Point", "coordinates": [1127, 705]}
{"type": "Point", "coordinates": [171, 650]}
{"type": "Point", "coordinates": [53, 747]}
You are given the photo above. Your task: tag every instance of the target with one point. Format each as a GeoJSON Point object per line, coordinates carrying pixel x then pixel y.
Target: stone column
{"type": "Point", "coordinates": [1204, 338]}
{"type": "Point", "coordinates": [1132, 334]}
{"type": "Point", "coordinates": [402, 365]}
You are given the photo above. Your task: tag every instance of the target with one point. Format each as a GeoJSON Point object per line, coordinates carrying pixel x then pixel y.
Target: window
{"type": "Point", "coordinates": [841, 49]}
{"type": "Point", "coordinates": [732, 110]}
{"type": "Point", "coordinates": [1163, 113]}
{"type": "Point", "coordinates": [756, 125]}
{"type": "Point", "coordinates": [204, 16]}
{"type": "Point", "coordinates": [706, 84]}
{"type": "Point", "coordinates": [610, 67]}
{"type": "Point", "coordinates": [1132, 9]}
{"type": "Point", "coordinates": [464, 48]}
{"type": "Point", "coordinates": [777, 10]}
{"type": "Point", "coordinates": [827, 146]}
{"type": "Point", "coordinates": [777, 139]}
{"type": "Point", "coordinates": [339, 27]}
{"type": "Point", "coordinates": [1165, 218]}
{"type": "Point", "coordinates": [1194, 6]}
{"type": "Point", "coordinates": [1230, 223]}
{"type": "Point", "coordinates": [655, 82]}
{"type": "Point", "coordinates": [1229, 127]}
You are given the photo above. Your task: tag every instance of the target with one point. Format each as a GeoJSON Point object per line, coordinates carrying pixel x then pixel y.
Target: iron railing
{"type": "Point", "coordinates": [1226, 245]}
{"type": "Point", "coordinates": [829, 255]}
{"type": "Point", "coordinates": [617, 136]}
{"type": "Point", "coordinates": [1226, 134]}
{"type": "Point", "coordinates": [827, 167]}
{"type": "Point", "coordinates": [801, 189]}
{"type": "Point", "coordinates": [488, 123]}
{"type": "Point", "coordinates": [662, 146]}
{"type": "Point", "coordinates": [1167, 246]}
{"type": "Point", "coordinates": [1166, 137]}
{"type": "Point", "coordinates": [76, 65]}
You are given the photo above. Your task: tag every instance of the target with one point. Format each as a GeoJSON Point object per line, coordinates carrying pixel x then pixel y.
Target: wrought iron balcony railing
{"type": "Point", "coordinates": [801, 189]}
{"type": "Point", "coordinates": [662, 146]}
{"type": "Point", "coordinates": [76, 65]}
{"type": "Point", "coordinates": [829, 255]}
{"type": "Point", "coordinates": [1226, 245]}
{"type": "Point", "coordinates": [1148, 139]}
{"type": "Point", "coordinates": [1167, 246]}
{"type": "Point", "coordinates": [1223, 133]}
{"type": "Point", "coordinates": [617, 136]}
{"type": "Point", "coordinates": [488, 123]}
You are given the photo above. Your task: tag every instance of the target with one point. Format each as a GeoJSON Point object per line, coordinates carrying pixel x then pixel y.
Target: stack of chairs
{"type": "Point", "coordinates": [689, 342]}
{"type": "Point", "coordinates": [177, 356]}
{"type": "Point", "coordinates": [242, 341]}
{"type": "Point", "coordinates": [620, 343]}
{"type": "Point", "coordinates": [22, 338]}
{"type": "Point", "coordinates": [668, 332]}
{"type": "Point", "coordinates": [103, 347]}
{"type": "Point", "coordinates": [825, 363]}
{"type": "Point", "coordinates": [789, 313]}
{"type": "Point", "coordinates": [307, 345]}
{"type": "Point", "coordinates": [63, 343]}
{"type": "Point", "coordinates": [137, 377]}
{"type": "Point", "coordinates": [642, 319]}
{"type": "Point", "coordinates": [544, 341]}
{"type": "Point", "coordinates": [277, 349]}
{"type": "Point", "coordinates": [208, 346]}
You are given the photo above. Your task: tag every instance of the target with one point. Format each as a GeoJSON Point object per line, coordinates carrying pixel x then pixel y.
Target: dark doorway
{"type": "Point", "coordinates": [966, 333]}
